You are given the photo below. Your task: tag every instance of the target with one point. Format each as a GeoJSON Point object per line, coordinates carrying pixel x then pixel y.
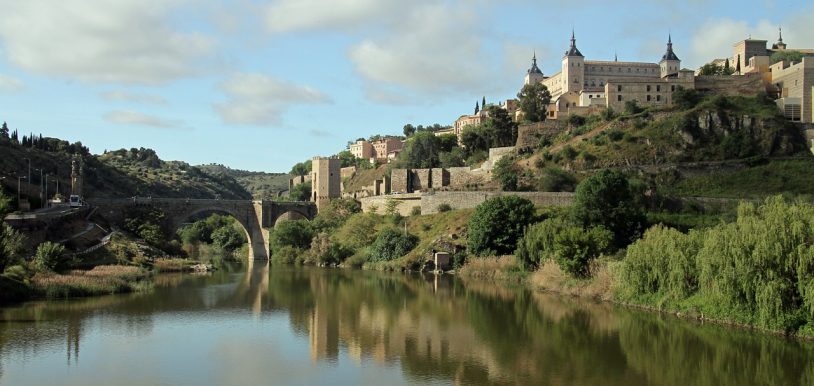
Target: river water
{"type": "Point", "coordinates": [298, 326]}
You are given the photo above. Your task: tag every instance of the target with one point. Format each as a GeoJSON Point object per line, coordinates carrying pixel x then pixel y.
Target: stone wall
{"type": "Point", "coordinates": [528, 136]}
{"type": "Point", "coordinates": [429, 202]}
{"type": "Point", "coordinates": [419, 180]}
{"type": "Point", "coordinates": [440, 178]}
{"type": "Point", "coordinates": [462, 177]}
{"type": "Point", "coordinates": [398, 180]}
{"type": "Point", "coordinates": [749, 84]}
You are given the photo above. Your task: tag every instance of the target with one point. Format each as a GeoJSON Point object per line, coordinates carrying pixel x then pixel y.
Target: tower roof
{"type": "Point", "coordinates": [573, 51]}
{"type": "Point", "coordinates": [534, 69]}
{"type": "Point", "coordinates": [669, 55]}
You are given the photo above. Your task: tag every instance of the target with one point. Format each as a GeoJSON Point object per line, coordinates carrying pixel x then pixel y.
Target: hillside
{"type": "Point", "coordinates": [677, 149]}
{"type": "Point", "coordinates": [261, 185]}
{"type": "Point", "coordinates": [120, 173]}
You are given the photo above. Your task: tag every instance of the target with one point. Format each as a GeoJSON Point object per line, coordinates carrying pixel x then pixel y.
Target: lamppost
{"type": "Point", "coordinates": [29, 174]}
{"type": "Point", "coordinates": [19, 181]}
{"type": "Point", "coordinates": [46, 191]}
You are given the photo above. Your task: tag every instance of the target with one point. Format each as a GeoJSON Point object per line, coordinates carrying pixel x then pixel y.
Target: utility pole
{"type": "Point", "coordinates": [19, 182]}
{"type": "Point", "coordinates": [29, 175]}
{"type": "Point", "coordinates": [46, 190]}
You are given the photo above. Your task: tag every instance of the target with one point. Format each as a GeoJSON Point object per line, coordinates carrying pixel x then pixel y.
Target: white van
{"type": "Point", "coordinates": [75, 201]}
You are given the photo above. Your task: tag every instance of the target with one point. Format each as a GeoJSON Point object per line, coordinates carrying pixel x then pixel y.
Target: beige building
{"type": "Point", "coordinates": [583, 85]}
{"type": "Point", "coordinates": [325, 180]}
{"type": "Point", "coordinates": [383, 147]}
{"type": "Point", "coordinates": [362, 149]}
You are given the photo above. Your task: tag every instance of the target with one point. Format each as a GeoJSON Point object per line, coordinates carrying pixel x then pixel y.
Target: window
{"type": "Point", "coordinates": [619, 88]}
{"type": "Point", "coordinates": [658, 87]}
{"type": "Point", "coordinates": [648, 98]}
{"type": "Point", "coordinates": [576, 80]}
{"type": "Point", "coordinates": [619, 69]}
{"type": "Point", "coordinates": [672, 87]}
{"type": "Point", "coordinates": [628, 69]}
{"type": "Point", "coordinates": [619, 98]}
{"type": "Point", "coordinates": [658, 98]}
{"type": "Point", "coordinates": [648, 89]}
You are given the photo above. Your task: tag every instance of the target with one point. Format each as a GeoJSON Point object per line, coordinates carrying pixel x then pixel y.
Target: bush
{"type": "Point", "coordinates": [49, 257]}
{"type": "Point", "coordinates": [607, 114]}
{"type": "Point", "coordinates": [444, 208]}
{"type": "Point", "coordinates": [506, 174]}
{"type": "Point", "coordinates": [291, 233]}
{"type": "Point", "coordinates": [11, 246]}
{"type": "Point", "coordinates": [606, 199]}
{"type": "Point", "coordinates": [497, 224]}
{"type": "Point", "coordinates": [632, 107]}
{"type": "Point", "coordinates": [576, 120]}
{"type": "Point", "coordinates": [537, 244]}
{"type": "Point", "coordinates": [662, 263]}
{"type": "Point", "coordinates": [391, 244]}
{"type": "Point", "coordinates": [358, 232]}
{"type": "Point", "coordinates": [556, 180]}
{"type": "Point", "coordinates": [574, 248]}
{"type": "Point", "coordinates": [569, 153]}
{"type": "Point", "coordinates": [228, 238]}
{"type": "Point", "coordinates": [415, 211]}
{"type": "Point", "coordinates": [335, 214]}
{"type": "Point", "coordinates": [324, 251]}
{"type": "Point", "coordinates": [286, 255]}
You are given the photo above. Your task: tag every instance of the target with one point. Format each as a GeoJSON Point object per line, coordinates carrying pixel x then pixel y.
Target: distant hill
{"type": "Point", "coordinates": [260, 184]}
{"type": "Point", "coordinates": [119, 173]}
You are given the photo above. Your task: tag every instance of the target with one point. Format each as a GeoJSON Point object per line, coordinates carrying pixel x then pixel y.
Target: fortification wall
{"type": "Point", "coordinates": [404, 203]}
{"type": "Point", "coordinates": [398, 180]}
{"type": "Point", "coordinates": [748, 84]}
{"type": "Point", "coordinates": [528, 136]}
{"type": "Point", "coordinates": [463, 200]}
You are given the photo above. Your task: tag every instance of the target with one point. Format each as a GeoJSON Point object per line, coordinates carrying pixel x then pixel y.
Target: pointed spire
{"type": "Point", "coordinates": [534, 69]}
{"type": "Point", "coordinates": [615, 57]}
{"type": "Point", "coordinates": [573, 51]}
{"type": "Point", "coordinates": [780, 37]}
{"type": "Point", "coordinates": [669, 55]}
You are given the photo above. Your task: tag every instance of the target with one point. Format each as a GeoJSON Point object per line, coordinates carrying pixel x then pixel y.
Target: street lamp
{"type": "Point", "coordinates": [29, 174]}
{"type": "Point", "coordinates": [19, 181]}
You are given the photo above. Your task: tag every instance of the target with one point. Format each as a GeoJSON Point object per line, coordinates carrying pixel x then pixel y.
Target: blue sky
{"type": "Point", "coordinates": [261, 85]}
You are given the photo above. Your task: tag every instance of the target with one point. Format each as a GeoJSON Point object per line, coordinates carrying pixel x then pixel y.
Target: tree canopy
{"type": "Point", "coordinates": [497, 224]}
{"type": "Point", "coordinates": [607, 199]}
{"type": "Point", "coordinates": [533, 100]}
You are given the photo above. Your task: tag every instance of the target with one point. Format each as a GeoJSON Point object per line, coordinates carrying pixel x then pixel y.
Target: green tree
{"type": "Point", "coordinates": [533, 100]}
{"type": "Point", "coordinates": [301, 168]}
{"type": "Point", "coordinates": [422, 151]}
{"type": "Point", "coordinates": [556, 180]}
{"type": "Point", "coordinates": [49, 257]}
{"type": "Point", "coordinates": [4, 134]}
{"type": "Point", "coordinates": [537, 244]}
{"type": "Point", "coordinates": [453, 158]}
{"type": "Point", "coordinates": [606, 199]}
{"type": "Point", "coordinates": [11, 246]}
{"type": "Point", "coordinates": [408, 130]}
{"type": "Point", "coordinates": [575, 248]}
{"type": "Point", "coordinates": [291, 233]}
{"type": "Point", "coordinates": [786, 55]}
{"type": "Point", "coordinates": [497, 224]}
{"type": "Point", "coordinates": [686, 98]}
{"type": "Point", "coordinates": [228, 237]}
{"type": "Point", "coordinates": [301, 192]}
{"type": "Point", "coordinates": [335, 214]}
{"type": "Point", "coordinates": [391, 244]}
{"type": "Point", "coordinates": [506, 173]}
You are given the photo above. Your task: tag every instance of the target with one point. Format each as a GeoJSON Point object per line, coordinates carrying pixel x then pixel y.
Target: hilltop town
{"type": "Point", "coordinates": [558, 122]}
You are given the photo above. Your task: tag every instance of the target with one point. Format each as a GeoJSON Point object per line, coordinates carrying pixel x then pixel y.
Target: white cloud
{"type": "Point", "coordinates": [123, 117]}
{"type": "Point", "coordinates": [428, 53]}
{"type": "Point", "coordinates": [294, 15]}
{"type": "Point", "coordinates": [126, 41]}
{"type": "Point", "coordinates": [124, 96]}
{"type": "Point", "coordinates": [8, 83]}
{"type": "Point", "coordinates": [258, 99]}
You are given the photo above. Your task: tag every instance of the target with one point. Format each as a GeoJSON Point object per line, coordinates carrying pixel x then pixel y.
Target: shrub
{"type": "Point", "coordinates": [228, 238]}
{"type": "Point", "coordinates": [632, 107]}
{"type": "Point", "coordinates": [607, 199]}
{"type": "Point", "coordinates": [324, 251]}
{"type": "Point", "coordinates": [497, 224]}
{"type": "Point", "coordinates": [358, 232]}
{"type": "Point", "coordinates": [391, 244]}
{"type": "Point", "coordinates": [607, 114]}
{"type": "Point", "coordinates": [505, 173]}
{"type": "Point", "coordinates": [568, 152]}
{"type": "Point", "coordinates": [662, 263]}
{"type": "Point", "coordinates": [286, 255]}
{"type": "Point", "coordinates": [574, 248]}
{"type": "Point", "coordinates": [576, 120]}
{"type": "Point", "coordinates": [291, 233]}
{"type": "Point", "coordinates": [11, 246]}
{"type": "Point", "coordinates": [444, 207]}
{"type": "Point", "coordinates": [556, 180]}
{"type": "Point", "coordinates": [49, 257]}
{"type": "Point", "coordinates": [415, 211]}
{"type": "Point", "coordinates": [615, 135]}
{"type": "Point", "coordinates": [537, 244]}
{"type": "Point", "coordinates": [335, 214]}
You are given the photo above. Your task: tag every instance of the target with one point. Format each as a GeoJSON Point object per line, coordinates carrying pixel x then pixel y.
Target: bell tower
{"type": "Point", "coordinates": [573, 68]}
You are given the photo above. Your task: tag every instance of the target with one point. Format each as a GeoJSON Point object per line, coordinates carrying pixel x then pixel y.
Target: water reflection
{"type": "Point", "coordinates": [253, 324]}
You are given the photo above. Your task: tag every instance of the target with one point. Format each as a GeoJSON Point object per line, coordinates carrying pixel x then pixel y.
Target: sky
{"type": "Point", "coordinates": [261, 85]}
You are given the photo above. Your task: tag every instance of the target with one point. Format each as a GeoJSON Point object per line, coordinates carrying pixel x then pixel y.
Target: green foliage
{"type": "Point", "coordinates": [11, 246]}
{"type": "Point", "coordinates": [229, 238]}
{"type": "Point", "coordinates": [537, 244]}
{"type": "Point", "coordinates": [301, 168]}
{"type": "Point", "coordinates": [301, 192]}
{"type": "Point", "coordinates": [506, 173]}
{"type": "Point", "coordinates": [556, 180]}
{"type": "Point", "coordinates": [576, 120]}
{"type": "Point", "coordinates": [497, 224]}
{"type": "Point", "coordinates": [686, 98]}
{"type": "Point", "coordinates": [358, 231]}
{"type": "Point", "coordinates": [391, 244]}
{"type": "Point", "coordinates": [606, 199]}
{"type": "Point", "coordinates": [286, 255]}
{"type": "Point", "coordinates": [568, 152]}
{"type": "Point", "coordinates": [49, 257]}
{"type": "Point", "coordinates": [453, 158]}
{"type": "Point", "coordinates": [607, 114]}
{"type": "Point", "coordinates": [444, 208]}
{"type": "Point", "coordinates": [421, 151]}
{"type": "Point", "coordinates": [632, 107]}
{"type": "Point", "coordinates": [714, 69]}
{"type": "Point", "coordinates": [662, 263]}
{"type": "Point", "coordinates": [786, 55]}
{"type": "Point", "coordinates": [291, 233]}
{"type": "Point", "coordinates": [335, 214]}
{"type": "Point", "coordinates": [497, 131]}
{"type": "Point", "coordinates": [147, 225]}
{"type": "Point", "coordinates": [325, 251]}
{"type": "Point", "coordinates": [5, 203]}
{"type": "Point", "coordinates": [575, 247]}
{"type": "Point", "coordinates": [415, 211]}
{"type": "Point", "coordinates": [533, 100]}
{"type": "Point", "coordinates": [757, 270]}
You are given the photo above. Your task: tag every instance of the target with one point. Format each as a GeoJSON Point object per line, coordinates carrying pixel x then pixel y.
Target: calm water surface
{"type": "Point", "coordinates": [287, 326]}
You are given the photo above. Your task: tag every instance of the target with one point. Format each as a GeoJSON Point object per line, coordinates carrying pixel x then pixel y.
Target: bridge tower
{"type": "Point", "coordinates": [325, 180]}
{"type": "Point", "coordinates": [76, 177]}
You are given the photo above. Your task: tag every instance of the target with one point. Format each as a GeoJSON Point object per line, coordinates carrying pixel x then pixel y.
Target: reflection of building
{"type": "Point", "coordinates": [323, 335]}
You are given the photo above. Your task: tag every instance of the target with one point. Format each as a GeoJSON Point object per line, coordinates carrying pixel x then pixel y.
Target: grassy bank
{"type": "Point", "coordinates": [101, 280]}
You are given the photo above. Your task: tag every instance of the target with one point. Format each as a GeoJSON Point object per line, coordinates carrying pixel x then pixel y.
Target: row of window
{"type": "Point", "coordinates": [649, 98]}
{"type": "Point", "coordinates": [658, 88]}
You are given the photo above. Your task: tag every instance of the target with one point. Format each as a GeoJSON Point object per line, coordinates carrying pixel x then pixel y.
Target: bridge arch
{"type": "Point", "coordinates": [291, 215]}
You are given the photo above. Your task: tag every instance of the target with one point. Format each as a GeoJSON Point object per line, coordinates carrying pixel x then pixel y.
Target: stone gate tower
{"type": "Point", "coordinates": [325, 180]}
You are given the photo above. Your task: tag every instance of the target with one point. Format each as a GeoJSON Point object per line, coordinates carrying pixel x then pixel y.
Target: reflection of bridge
{"type": "Point", "coordinates": [255, 216]}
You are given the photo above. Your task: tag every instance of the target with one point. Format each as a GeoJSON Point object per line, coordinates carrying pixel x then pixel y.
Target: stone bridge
{"type": "Point", "coordinates": [255, 216]}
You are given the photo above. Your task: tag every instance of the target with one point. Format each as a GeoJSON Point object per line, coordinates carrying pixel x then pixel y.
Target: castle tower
{"type": "Point", "coordinates": [670, 63]}
{"type": "Point", "coordinates": [573, 68]}
{"type": "Point", "coordinates": [325, 180]}
{"type": "Point", "coordinates": [76, 178]}
{"type": "Point", "coordinates": [533, 75]}
{"type": "Point", "coordinates": [779, 45]}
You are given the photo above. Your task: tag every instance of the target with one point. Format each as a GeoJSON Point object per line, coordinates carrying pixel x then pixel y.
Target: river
{"type": "Point", "coordinates": [310, 326]}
